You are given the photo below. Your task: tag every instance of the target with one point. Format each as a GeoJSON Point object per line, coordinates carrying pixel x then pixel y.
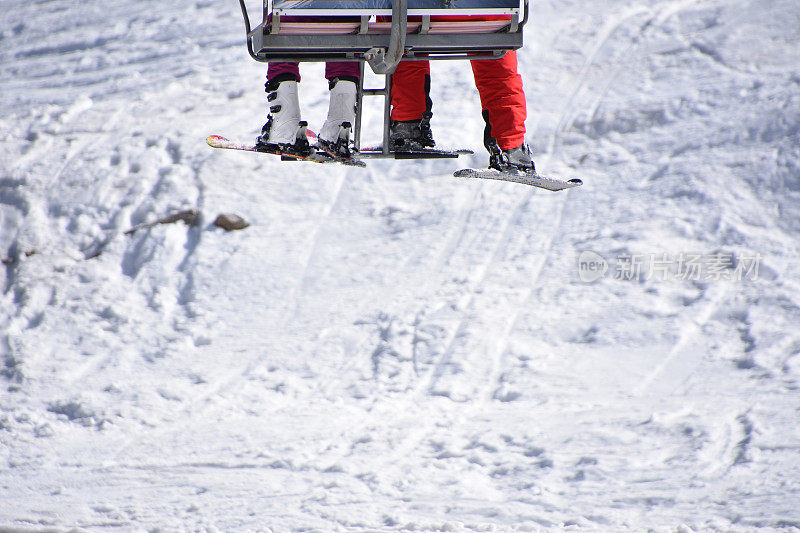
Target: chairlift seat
{"type": "Point", "coordinates": [351, 30]}
{"type": "Point", "coordinates": [384, 28]}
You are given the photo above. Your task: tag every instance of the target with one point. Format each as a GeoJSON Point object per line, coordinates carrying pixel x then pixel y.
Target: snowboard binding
{"type": "Point", "coordinates": [513, 160]}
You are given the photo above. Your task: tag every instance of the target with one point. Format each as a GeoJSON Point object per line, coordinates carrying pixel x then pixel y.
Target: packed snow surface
{"type": "Point", "coordinates": [393, 348]}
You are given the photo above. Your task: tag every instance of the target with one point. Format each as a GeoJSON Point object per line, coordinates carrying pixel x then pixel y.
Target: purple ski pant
{"type": "Point", "coordinates": [333, 69]}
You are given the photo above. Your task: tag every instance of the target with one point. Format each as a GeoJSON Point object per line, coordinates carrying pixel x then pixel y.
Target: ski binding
{"type": "Point", "coordinates": [218, 141]}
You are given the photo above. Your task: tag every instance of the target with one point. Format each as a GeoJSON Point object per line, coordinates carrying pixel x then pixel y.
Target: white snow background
{"type": "Point", "coordinates": [392, 348]}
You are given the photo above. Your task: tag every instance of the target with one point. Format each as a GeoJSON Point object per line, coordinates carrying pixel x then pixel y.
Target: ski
{"type": "Point", "coordinates": [218, 141]}
{"type": "Point", "coordinates": [530, 178]}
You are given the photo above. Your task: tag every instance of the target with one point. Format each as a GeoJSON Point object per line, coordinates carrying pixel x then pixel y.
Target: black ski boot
{"type": "Point", "coordinates": [515, 159]}
{"type": "Point", "coordinates": [411, 135]}
{"type": "Point", "coordinates": [512, 160]}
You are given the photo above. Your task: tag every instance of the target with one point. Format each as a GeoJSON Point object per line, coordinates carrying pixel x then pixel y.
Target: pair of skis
{"type": "Point", "coordinates": [318, 156]}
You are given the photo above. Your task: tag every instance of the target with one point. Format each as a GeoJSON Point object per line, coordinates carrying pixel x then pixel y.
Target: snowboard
{"type": "Point", "coordinates": [217, 141]}
{"type": "Point", "coordinates": [530, 178]}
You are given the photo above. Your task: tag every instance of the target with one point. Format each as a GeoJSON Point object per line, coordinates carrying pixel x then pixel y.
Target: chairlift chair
{"type": "Point", "coordinates": [357, 30]}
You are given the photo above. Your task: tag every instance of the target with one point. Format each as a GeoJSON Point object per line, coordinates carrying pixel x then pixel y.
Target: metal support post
{"type": "Point", "coordinates": [359, 107]}
{"type": "Point", "coordinates": [387, 113]}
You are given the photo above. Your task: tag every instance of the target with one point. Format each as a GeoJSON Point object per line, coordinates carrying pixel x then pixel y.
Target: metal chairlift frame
{"type": "Point", "coordinates": [366, 40]}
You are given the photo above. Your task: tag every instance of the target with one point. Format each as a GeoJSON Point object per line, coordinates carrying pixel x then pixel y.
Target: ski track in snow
{"type": "Point", "coordinates": [391, 348]}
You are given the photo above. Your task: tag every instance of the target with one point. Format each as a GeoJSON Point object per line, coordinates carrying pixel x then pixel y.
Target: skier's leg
{"type": "Point", "coordinates": [341, 69]}
{"type": "Point", "coordinates": [283, 122]}
{"type": "Point", "coordinates": [285, 70]}
{"type": "Point", "coordinates": [502, 98]}
{"type": "Point", "coordinates": [504, 110]}
{"type": "Point", "coordinates": [411, 83]}
{"type": "Point", "coordinates": [411, 105]}
{"type": "Point", "coordinates": [343, 84]}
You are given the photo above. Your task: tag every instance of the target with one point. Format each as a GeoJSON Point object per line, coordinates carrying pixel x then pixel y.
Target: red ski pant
{"type": "Point", "coordinates": [499, 86]}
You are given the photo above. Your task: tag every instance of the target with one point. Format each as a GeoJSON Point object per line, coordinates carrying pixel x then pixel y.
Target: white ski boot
{"type": "Point", "coordinates": [283, 123]}
{"type": "Point", "coordinates": [334, 137]}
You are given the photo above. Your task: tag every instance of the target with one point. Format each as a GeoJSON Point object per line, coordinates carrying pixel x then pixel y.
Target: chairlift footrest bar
{"type": "Point", "coordinates": [430, 153]}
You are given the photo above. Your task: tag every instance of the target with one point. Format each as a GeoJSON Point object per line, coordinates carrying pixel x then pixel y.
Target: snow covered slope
{"type": "Point", "coordinates": [392, 348]}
